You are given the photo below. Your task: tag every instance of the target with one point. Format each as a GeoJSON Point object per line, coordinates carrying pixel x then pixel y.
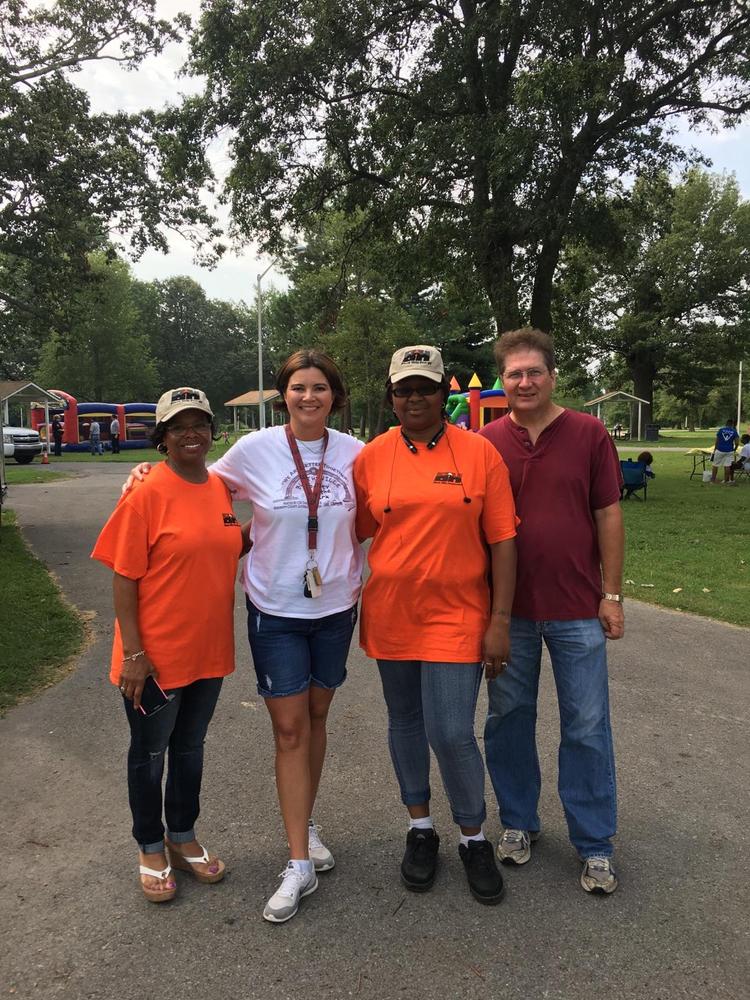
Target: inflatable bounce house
{"type": "Point", "coordinates": [478, 406]}
{"type": "Point", "coordinates": [136, 422]}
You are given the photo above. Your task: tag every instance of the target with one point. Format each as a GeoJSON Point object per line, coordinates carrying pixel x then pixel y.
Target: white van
{"type": "Point", "coordinates": [21, 443]}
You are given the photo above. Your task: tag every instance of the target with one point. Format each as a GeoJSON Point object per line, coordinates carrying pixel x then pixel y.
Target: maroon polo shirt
{"type": "Point", "coordinates": [571, 471]}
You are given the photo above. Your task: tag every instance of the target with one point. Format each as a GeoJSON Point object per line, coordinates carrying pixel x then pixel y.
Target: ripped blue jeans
{"type": "Point", "coordinates": [179, 728]}
{"type": "Point", "coordinates": [290, 654]}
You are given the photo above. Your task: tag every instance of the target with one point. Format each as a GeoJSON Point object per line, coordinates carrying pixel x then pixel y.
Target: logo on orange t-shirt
{"type": "Point", "coordinates": [230, 520]}
{"type": "Point", "coordinates": [451, 478]}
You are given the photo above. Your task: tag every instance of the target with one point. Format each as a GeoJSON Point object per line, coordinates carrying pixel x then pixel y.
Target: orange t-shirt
{"type": "Point", "coordinates": [182, 543]}
{"type": "Point", "coordinates": [428, 597]}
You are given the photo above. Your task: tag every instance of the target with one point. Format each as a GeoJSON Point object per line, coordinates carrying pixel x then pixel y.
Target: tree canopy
{"type": "Point", "coordinates": [465, 130]}
{"type": "Point", "coordinates": [662, 282]}
{"type": "Point", "coordinates": [72, 180]}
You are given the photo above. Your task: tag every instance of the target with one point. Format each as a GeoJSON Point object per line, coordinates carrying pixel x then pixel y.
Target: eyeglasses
{"type": "Point", "coordinates": [532, 374]}
{"type": "Point", "coordinates": [403, 391]}
{"type": "Point", "coordinates": [179, 429]}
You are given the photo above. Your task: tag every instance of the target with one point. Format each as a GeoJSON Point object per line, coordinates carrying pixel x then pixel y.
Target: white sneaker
{"type": "Point", "coordinates": [285, 901]}
{"type": "Point", "coordinates": [320, 856]}
{"type": "Point", "coordinates": [515, 846]}
{"type": "Point", "coordinates": [598, 875]}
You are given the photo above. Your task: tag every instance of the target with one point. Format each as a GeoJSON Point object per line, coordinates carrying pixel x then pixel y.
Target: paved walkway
{"type": "Point", "coordinates": [76, 926]}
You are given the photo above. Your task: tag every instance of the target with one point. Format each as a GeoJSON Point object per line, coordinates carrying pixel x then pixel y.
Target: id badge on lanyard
{"type": "Point", "coordinates": [312, 584]}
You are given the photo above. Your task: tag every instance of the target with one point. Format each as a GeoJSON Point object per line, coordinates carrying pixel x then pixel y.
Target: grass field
{"type": "Point", "coordinates": [40, 632]}
{"type": "Point", "coordinates": [674, 439]}
{"type": "Point", "coordinates": [131, 456]}
{"type": "Point", "coordinates": [690, 537]}
{"type": "Point", "coordinates": [22, 474]}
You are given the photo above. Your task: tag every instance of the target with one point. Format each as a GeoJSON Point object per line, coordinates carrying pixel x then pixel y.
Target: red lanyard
{"type": "Point", "coordinates": [312, 495]}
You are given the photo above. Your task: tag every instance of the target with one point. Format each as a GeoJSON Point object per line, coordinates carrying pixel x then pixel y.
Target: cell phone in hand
{"type": "Point", "coordinates": [153, 697]}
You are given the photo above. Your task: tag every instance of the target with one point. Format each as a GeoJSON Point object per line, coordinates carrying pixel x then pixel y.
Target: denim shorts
{"type": "Point", "coordinates": [290, 654]}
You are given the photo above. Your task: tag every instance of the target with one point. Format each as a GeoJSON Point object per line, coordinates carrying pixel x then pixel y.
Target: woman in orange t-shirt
{"type": "Point", "coordinates": [436, 500]}
{"type": "Point", "coordinates": [174, 529]}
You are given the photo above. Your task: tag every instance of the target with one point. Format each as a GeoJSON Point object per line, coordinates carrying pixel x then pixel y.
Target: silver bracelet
{"type": "Point", "coordinates": [141, 652]}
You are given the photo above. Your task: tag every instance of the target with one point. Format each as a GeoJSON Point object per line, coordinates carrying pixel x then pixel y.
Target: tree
{"type": "Point", "coordinates": [350, 296]}
{"type": "Point", "coordinates": [468, 128]}
{"type": "Point", "coordinates": [663, 282]}
{"type": "Point", "coordinates": [104, 356]}
{"type": "Point", "coordinates": [196, 340]}
{"type": "Point", "coordinates": [69, 179]}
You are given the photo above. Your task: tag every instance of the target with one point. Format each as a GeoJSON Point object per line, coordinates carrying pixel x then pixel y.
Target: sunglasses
{"type": "Point", "coordinates": [403, 392]}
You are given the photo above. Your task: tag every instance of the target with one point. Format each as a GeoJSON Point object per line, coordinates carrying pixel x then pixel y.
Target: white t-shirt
{"type": "Point", "coordinates": [260, 468]}
{"type": "Point", "coordinates": [745, 455]}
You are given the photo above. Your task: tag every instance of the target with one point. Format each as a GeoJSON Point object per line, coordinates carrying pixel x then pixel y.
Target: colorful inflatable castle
{"type": "Point", "coordinates": [478, 406]}
{"type": "Point", "coordinates": [136, 422]}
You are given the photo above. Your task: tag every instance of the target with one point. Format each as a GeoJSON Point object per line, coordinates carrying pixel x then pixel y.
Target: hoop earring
{"type": "Point", "coordinates": [161, 448]}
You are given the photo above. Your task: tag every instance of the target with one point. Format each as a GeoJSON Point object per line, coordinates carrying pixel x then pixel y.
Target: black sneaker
{"type": "Point", "coordinates": [485, 880]}
{"type": "Point", "coordinates": [420, 860]}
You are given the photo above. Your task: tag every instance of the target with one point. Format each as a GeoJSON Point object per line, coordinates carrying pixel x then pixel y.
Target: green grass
{"type": "Point", "coordinates": [20, 475]}
{"type": "Point", "coordinates": [40, 632]}
{"type": "Point", "coordinates": [131, 456]}
{"type": "Point", "coordinates": [673, 439]}
{"type": "Point", "coordinates": [691, 536]}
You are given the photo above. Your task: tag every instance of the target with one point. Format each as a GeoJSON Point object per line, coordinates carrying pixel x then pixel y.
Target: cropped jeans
{"type": "Point", "coordinates": [179, 727]}
{"type": "Point", "coordinates": [586, 766]}
{"type": "Point", "coordinates": [433, 705]}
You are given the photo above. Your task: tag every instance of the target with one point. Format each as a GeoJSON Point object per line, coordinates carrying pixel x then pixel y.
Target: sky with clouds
{"type": "Point", "coordinates": [158, 81]}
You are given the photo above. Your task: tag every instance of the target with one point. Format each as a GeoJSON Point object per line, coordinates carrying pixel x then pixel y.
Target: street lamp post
{"type": "Point", "coordinates": [259, 310]}
{"type": "Point", "coordinates": [300, 248]}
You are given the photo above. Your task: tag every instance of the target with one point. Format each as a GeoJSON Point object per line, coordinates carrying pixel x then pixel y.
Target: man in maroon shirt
{"type": "Point", "coordinates": [565, 475]}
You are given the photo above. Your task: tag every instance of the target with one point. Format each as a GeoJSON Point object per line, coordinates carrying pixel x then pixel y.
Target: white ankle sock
{"type": "Point", "coordinates": [423, 823]}
{"type": "Point", "coordinates": [475, 836]}
{"type": "Point", "coordinates": [303, 865]}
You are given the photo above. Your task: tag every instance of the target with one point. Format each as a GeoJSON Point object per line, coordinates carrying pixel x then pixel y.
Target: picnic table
{"type": "Point", "coordinates": [700, 456]}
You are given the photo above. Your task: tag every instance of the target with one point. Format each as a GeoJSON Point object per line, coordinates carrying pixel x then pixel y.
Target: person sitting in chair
{"type": "Point", "coordinates": [647, 458]}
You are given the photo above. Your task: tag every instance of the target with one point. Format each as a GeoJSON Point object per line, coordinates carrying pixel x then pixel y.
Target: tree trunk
{"type": "Point", "coordinates": [381, 419]}
{"type": "Point", "coordinates": [496, 270]}
{"type": "Point", "coordinates": [642, 370]}
{"type": "Point", "coordinates": [346, 416]}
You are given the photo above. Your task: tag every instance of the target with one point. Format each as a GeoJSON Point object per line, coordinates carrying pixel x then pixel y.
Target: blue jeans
{"type": "Point", "coordinates": [433, 705]}
{"type": "Point", "coordinates": [290, 654]}
{"type": "Point", "coordinates": [180, 727]}
{"type": "Point", "coordinates": [586, 764]}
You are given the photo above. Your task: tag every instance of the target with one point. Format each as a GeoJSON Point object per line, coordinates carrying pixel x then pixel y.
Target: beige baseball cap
{"type": "Point", "coordinates": [174, 401]}
{"type": "Point", "coordinates": [418, 360]}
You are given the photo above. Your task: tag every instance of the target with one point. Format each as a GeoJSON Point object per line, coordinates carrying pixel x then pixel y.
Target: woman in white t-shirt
{"type": "Point", "coordinates": [301, 591]}
{"type": "Point", "coordinates": [301, 587]}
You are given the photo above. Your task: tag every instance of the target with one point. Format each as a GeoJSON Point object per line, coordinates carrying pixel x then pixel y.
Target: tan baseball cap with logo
{"type": "Point", "coordinates": [174, 401]}
{"type": "Point", "coordinates": [419, 360]}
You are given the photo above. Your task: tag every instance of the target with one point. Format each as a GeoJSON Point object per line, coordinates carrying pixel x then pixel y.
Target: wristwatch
{"type": "Point", "coordinates": [613, 597]}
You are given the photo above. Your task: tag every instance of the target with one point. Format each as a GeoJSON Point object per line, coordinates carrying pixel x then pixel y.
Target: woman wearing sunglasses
{"type": "Point", "coordinates": [437, 503]}
{"type": "Point", "coordinates": [175, 529]}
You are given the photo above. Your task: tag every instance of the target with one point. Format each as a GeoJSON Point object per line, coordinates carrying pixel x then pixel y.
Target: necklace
{"type": "Point", "coordinates": [315, 449]}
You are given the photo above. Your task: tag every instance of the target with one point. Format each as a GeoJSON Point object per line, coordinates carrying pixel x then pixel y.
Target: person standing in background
{"type": "Point", "coordinates": [57, 434]}
{"type": "Point", "coordinates": [114, 436]}
{"type": "Point", "coordinates": [727, 440]}
{"type": "Point", "coordinates": [95, 438]}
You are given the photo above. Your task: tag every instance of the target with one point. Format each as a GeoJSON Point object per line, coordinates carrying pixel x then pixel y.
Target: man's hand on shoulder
{"type": "Point", "coordinates": [612, 617]}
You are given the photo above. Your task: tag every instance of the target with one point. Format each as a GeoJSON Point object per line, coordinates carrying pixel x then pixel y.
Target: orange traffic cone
{"type": "Point", "coordinates": [45, 457]}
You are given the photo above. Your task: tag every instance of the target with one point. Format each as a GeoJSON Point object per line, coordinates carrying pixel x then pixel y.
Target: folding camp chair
{"type": "Point", "coordinates": [634, 479]}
